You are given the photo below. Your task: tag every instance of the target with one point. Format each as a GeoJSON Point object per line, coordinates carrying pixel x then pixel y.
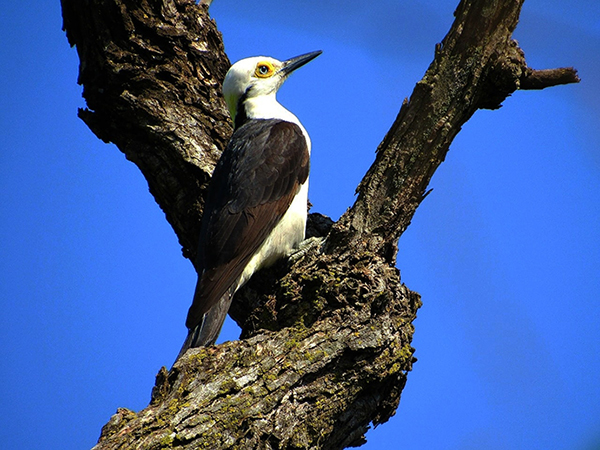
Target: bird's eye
{"type": "Point", "coordinates": [264, 69]}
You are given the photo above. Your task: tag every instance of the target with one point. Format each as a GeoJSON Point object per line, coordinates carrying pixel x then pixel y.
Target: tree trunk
{"type": "Point", "coordinates": [326, 335]}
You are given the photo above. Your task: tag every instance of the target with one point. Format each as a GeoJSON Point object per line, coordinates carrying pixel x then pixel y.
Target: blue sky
{"type": "Point", "coordinates": [505, 251]}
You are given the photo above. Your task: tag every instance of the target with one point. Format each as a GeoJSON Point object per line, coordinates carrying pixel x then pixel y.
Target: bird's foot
{"type": "Point", "coordinates": [304, 247]}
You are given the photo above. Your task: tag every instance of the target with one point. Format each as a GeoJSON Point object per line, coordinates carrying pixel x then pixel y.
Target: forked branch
{"type": "Point", "coordinates": [327, 335]}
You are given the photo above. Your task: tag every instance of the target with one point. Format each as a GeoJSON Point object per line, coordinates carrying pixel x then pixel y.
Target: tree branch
{"type": "Point", "coordinates": [477, 65]}
{"type": "Point", "coordinates": [327, 335]}
{"type": "Point", "coordinates": [151, 72]}
{"type": "Point", "coordinates": [541, 79]}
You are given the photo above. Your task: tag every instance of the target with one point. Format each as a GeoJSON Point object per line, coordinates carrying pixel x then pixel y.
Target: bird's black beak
{"type": "Point", "coordinates": [292, 64]}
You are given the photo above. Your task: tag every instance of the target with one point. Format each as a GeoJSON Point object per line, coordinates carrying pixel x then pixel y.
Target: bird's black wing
{"type": "Point", "coordinates": [253, 185]}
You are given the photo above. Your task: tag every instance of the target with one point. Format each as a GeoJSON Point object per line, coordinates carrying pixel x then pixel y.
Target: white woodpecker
{"type": "Point", "coordinates": [256, 203]}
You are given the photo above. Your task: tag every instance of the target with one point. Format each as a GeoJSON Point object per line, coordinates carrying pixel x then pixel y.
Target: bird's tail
{"type": "Point", "coordinates": [207, 331]}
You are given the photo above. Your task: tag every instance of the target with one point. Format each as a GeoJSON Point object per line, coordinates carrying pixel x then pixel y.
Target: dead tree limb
{"type": "Point", "coordinates": [326, 346]}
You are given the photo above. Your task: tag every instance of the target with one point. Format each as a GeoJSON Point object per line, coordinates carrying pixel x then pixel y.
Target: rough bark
{"type": "Point", "coordinates": [151, 73]}
{"type": "Point", "coordinates": [326, 336]}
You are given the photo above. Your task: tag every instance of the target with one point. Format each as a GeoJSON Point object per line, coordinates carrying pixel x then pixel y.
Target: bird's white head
{"type": "Point", "coordinates": [256, 78]}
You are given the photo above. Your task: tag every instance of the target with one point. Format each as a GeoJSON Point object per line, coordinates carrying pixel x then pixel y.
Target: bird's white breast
{"type": "Point", "coordinates": [286, 236]}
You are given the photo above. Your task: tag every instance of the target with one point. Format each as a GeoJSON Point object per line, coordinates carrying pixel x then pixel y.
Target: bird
{"type": "Point", "coordinates": [256, 202]}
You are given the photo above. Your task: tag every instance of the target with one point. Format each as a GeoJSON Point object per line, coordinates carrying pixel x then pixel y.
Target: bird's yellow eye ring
{"type": "Point", "coordinates": [264, 69]}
